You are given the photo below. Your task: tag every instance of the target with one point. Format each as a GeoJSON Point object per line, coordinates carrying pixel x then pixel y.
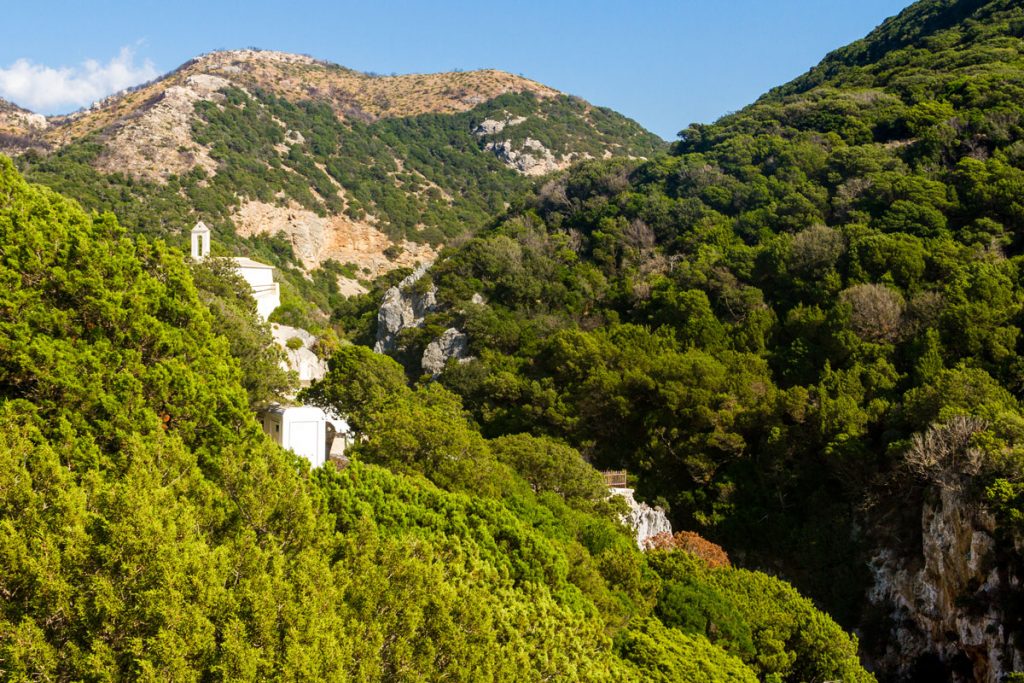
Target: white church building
{"type": "Point", "coordinates": [260, 276]}
{"type": "Point", "coordinates": [306, 430]}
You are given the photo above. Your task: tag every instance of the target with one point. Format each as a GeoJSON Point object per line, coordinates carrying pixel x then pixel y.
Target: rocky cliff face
{"type": "Point", "coordinates": [642, 518]}
{"type": "Point", "coordinates": [403, 308]}
{"type": "Point", "coordinates": [947, 602]}
{"type": "Point", "coordinates": [315, 238]}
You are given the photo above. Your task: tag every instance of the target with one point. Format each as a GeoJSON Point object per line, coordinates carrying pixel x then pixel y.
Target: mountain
{"type": "Point", "coordinates": [147, 126]}
{"type": "Point", "coordinates": [315, 168]}
{"type": "Point", "coordinates": [259, 141]}
{"type": "Point", "coordinates": [799, 330]}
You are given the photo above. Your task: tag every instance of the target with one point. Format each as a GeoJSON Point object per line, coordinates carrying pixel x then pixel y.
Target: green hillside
{"type": "Point", "coordinates": [760, 324]}
{"type": "Point", "coordinates": [798, 329]}
{"type": "Point", "coordinates": [150, 531]}
{"type": "Point", "coordinates": [426, 178]}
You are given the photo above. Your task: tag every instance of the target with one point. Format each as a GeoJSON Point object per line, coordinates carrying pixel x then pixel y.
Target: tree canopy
{"type": "Point", "coordinates": [149, 529]}
{"type": "Point", "coordinates": [760, 323]}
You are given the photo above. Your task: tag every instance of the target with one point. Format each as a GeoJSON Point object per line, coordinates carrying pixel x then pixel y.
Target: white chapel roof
{"type": "Point", "coordinates": [246, 262]}
{"type": "Point", "coordinates": [200, 227]}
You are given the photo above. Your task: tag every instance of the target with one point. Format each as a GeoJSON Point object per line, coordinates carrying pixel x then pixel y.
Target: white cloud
{"type": "Point", "coordinates": [51, 90]}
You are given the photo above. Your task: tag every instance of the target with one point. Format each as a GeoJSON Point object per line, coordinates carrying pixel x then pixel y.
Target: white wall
{"type": "Point", "coordinates": [306, 438]}
{"type": "Point", "coordinates": [257, 277]}
{"type": "Point", "coordinates": [301, 429]}
{"type": "Point", "coordinates": [267, 299]}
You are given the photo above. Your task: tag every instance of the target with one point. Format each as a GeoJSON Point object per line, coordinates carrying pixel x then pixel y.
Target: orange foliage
{"type": "Point", "coordinates": [711, 554]}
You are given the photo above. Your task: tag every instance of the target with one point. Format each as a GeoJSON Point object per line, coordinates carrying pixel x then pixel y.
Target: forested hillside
{"type": "Point", "coordinates": [149, 530]}
{"type": "Point", "coordinates": [800, 330]}
{"type": "Point", "coordinates": [424, 178]}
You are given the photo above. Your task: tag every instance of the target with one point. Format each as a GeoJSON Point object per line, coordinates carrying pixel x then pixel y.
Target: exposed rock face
{"type": "Point", "coordinates": [645, 520]}
{"type": "Point", "coordinates": [20, 129]}
{"type": "Point", "coordinates": [493, 127]}
{"type": "Point", "coordinates": [315, 239]}
{"type": "Point", "coordinates": [532, 159]}
{"type": "Point", "coordinates": [33, 121]}
{"type": "Point", "coordinates": [302, 360]}
{"type": "Point", "coordinates": [947, 601]}
{"type": "Point", "coordinates": [402, 309]}
{"type": "Point", "coordinates": [451, 344]}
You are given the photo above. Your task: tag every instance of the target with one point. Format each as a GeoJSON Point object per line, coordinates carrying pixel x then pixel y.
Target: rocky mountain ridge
{"type": "Point", "coordinates": [371, 171]}
{"type": "Point", "coordinates": [19, 128]}
{"type": "Point", "coordinates": [351, 94]}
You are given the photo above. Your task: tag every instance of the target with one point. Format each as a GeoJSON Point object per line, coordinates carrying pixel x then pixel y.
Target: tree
{"type": "Point", "coordinates": [426, 432]}
{"type": "Point", "coordinates": [357, 384]}
{"type": "Point", "coordinates": [876, 312]}
{"type": "Point", "coordinates": [548, 465]}
{"type": "Point", "coordinates": [233, 309]}
{"type": "Point", "coordinates": [946, 454]}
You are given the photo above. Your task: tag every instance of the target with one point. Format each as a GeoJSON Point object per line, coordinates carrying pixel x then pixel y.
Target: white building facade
{"type": "Point", "coordinates": [307, 431]}
{"type": "Point", "coordinates": [260, 276]}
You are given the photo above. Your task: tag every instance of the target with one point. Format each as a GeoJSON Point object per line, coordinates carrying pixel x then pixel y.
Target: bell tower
{"type": "Point", "coordinates": [200, 241]}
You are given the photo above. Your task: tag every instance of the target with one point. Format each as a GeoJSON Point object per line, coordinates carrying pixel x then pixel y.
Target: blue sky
{"type": "Point", "coordinates": [664, 63]}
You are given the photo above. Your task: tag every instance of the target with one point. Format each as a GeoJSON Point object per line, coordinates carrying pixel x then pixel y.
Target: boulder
{"type": "Point", "coordinates": [306, 364]}
{"type": "Point", "coordinates": [451, 344]}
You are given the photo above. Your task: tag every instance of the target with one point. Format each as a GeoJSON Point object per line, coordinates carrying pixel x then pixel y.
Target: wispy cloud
{"type": "Point", "coordinates": [50, 90]}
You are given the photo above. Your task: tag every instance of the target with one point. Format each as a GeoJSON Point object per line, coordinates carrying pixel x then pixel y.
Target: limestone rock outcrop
{"type": "Point", "coordinates": [301, 359]}
{"type": "Point", "coordinates": [493, 126]}
{"type": "Point", "coordinates": [946, 602]}
{"type": "Point", "coordinates": [532, 158]}
{"type": "Point", "coordinates": [315, 239]}
{"type": "Point", "coordinates": [451, 344]}
{"type": "Point", "coordinates": [20, 129]}
{"type": "Point", "coordinates": [403, 308]}
{"type": "Point", "coordinates": [646, 521]}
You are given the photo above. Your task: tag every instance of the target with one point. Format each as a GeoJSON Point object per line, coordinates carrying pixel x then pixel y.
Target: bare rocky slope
{"type": "Point", "coordinates": [20, 129]}
{"type": "Point", "coordinates": [351, 94]}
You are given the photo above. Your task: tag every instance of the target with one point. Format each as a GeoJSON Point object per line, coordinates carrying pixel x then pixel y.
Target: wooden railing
{"type": "Point", "coordinates": [615, 478]}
